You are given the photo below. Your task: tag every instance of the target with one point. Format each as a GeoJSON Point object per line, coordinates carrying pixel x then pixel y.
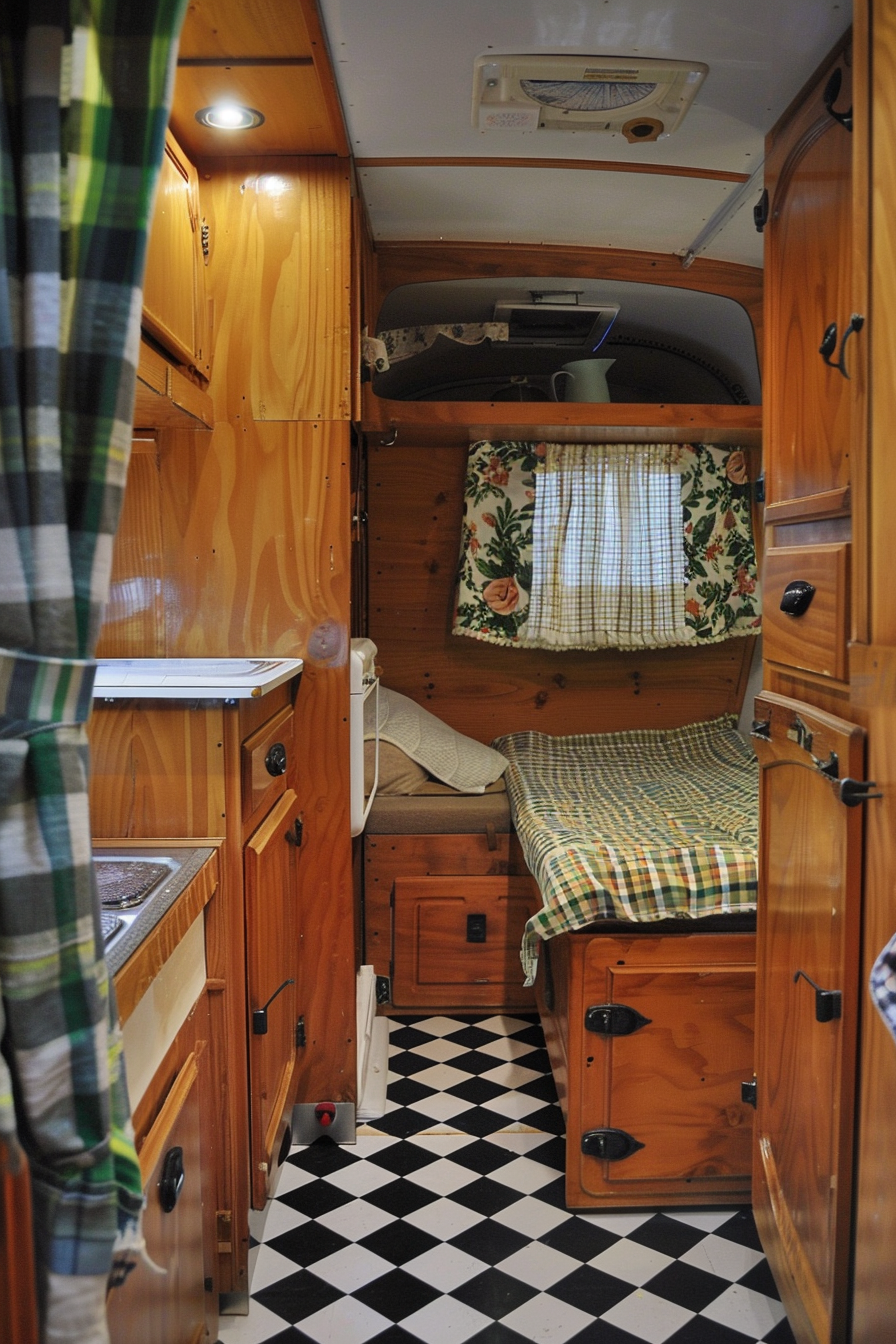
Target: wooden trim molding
{"type": "Point", "coordinates": [579, 165]}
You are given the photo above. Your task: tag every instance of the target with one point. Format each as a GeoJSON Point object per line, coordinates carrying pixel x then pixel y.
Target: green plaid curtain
{"type": "Point", "coordinates": [85, 95]}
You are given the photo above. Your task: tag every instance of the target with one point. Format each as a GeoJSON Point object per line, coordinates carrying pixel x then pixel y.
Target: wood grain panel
{"type": "Point", "coordinates": [148, 1306]}
{"type": "Point", "coordinates": [434, 961]}
{"type": "Point", "coordinates": [18, 1303]}
{"type": "Point", "coordinates": [697, 989]}
{"type": "Point", "coordinates": [387, 857]}
{"type": "Point", "coordinates": [816, 640]}
{"type": "Point", "coordinates": [158, 769]}
{"type": "Point", "coordinates": [874, 682]}
{"type": "Point", "coordinates": [445, 422]}
{"type": "Point", "coordinates": [280, 275]}
{"type": "Point", "coordinates": [166, 397]}
{"type": "Point", "coordinates": [809, 918]}
{"type": "Point", "coordinates": [582, 165]}
{"type": "Point", "coordinates": [289, 97]}
{"type": "Point", "coordinates": [415, 505]}
{"type": "Point", "coordinates": [409, 263]}
{"type": "Point", "coordinates": [174, 282]}
{"type": "Point", "coordinates": [808, 285]}
{"type": "Point", "coordinates": [134, 616]}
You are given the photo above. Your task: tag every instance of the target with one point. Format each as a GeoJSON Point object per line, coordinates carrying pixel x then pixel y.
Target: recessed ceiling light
{"type": "Point", "coordinates": [229, 117]}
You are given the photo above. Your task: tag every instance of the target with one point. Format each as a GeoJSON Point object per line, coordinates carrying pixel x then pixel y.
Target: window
{"type": "Point", "coordinates": [606, 546]}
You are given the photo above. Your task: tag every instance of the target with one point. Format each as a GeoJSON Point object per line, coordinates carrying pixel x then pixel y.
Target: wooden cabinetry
{"type": "Point", "coordinates": [272, 941]}
{"type": "Point", "coordinates": [809, 920]}
{"type": "Point", "coordinates": [669, 1080]}
{"type": "Point", "coordinates": [169, 1308]}
{"type": "Point", "coordinates": [179, 769]}
{"type": "Point", "coordinates": [457, 940]}
{"type": "Point", "coordinates": [174, 284]}
{"type": "Point", "coordinates": [808, 277]}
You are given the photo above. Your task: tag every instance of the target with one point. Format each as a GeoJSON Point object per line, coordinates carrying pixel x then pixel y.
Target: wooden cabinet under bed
{"type": "Point", "coordinates": [445, 921]}
{"type": "Point", "coordinates": [650, 1036]}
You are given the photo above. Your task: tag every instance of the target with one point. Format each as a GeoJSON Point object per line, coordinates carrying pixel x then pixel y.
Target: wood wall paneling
{"type": "Point", "coordinates": [415, 506]}
{"type": "Point", "coordinates": [410, 263]}
{"type": "Point", "coordinates": [808, 286]}
{"type": "Point", "coordinates": [280, 276]}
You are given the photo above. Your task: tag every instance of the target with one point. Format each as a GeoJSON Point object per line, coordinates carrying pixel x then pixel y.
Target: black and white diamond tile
{"type": "Point", "coordinates": [446, 1224]}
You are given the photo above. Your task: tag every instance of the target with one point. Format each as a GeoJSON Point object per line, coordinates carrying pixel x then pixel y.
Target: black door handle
{"type": "Point", "coordinates": [828, 1002]}
{"type": "Point", "coordinates": [797, 596]}
{"type": "Point", "coordinates": [830, 96]}
{"type": "Point", "coordinates": [829, 343]}
{"type": "Point", "coordinates": [172, 1179]}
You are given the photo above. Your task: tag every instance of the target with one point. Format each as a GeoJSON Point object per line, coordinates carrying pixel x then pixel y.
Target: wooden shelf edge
{"type": "Point", "coordinates": [166, 399]}
{"type": "Point", "coordinates": [434, 423]}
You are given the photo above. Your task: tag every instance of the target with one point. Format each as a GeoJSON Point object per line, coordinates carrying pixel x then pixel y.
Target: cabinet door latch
{"type": "Point", "coordinates": [610, 1145]}
{"type": "Point", "coordinates": [748, 1093]}
{"type": "Point", "coordinates": [296, 833]}
{"type": "Point", "coordinates": [828, 1002]}
{"type": "Point", "coordinates": [614, 1019]}
{"type": "Point", "coordinates": [856, 791]}
{"type": "Point", "coordinates": [260, 1015]}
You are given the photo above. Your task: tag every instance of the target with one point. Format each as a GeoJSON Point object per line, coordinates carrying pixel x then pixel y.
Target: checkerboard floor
{"type": "Point", "coordinates": [446, 1223]}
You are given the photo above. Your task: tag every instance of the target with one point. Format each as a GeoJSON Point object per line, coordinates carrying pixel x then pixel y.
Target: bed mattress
{"type": "Point", "coordinates": [644, 825]}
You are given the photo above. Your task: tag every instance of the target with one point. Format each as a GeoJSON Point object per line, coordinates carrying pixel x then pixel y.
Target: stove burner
{"type": "Point", "coordinates": [127, 882]}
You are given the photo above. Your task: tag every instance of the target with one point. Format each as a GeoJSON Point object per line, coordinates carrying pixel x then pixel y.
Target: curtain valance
{"type": "Point", "coordinates": [606, 546]}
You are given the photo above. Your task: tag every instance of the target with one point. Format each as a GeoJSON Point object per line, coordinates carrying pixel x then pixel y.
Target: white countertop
{"type": "Point", "coordinates": [191, 678]}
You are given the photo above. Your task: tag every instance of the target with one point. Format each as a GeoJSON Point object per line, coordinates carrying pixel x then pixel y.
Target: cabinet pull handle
{"type": "Point", "coordinates": [797, 597]}
{"type": "Point", "coordinates": [829, 343]}
{"type": "Point", "coordinates": [172, 1179]}
{"type": "Point", "coordinates": [828, 1002]}
{"type": "Point", "coordinates": [830, 96]}
{"type": "Point", "coordinates": [260, 1015]}
{"type": "Point", "coordinates": [760, 211]}
{"type": "Point", "coordinates": [275, 761]}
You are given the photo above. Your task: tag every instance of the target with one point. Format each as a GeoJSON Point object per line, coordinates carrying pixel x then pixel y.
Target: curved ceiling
{"type": "Point", "coordinates": [404, 70]}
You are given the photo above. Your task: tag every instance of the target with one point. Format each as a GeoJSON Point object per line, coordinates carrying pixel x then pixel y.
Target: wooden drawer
{"type": "Point", "coordinates": [816, 640]}
{"type": "Point", "coordinates": [435, 961]}
{"type": "Point", "coordinates": [261, 784]}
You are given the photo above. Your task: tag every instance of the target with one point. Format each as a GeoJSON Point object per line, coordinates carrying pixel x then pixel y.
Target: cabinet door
{"type": "Point", "coordinates": [168, 1308]}
{"type": "Point", "coordinates": [272, 957]}
{"type": "Point", "coordinates": [808, 286]}
{"type": "Point", "coordinates": [174, 284]}
{"type": "Point", "coordinates": [808, 932]}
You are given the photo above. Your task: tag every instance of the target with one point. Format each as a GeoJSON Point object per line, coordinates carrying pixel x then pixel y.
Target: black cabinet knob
{"type": "Point", "coordinates": [172, 1179]}
{"type": "Point", "coordinates": [275, 761]}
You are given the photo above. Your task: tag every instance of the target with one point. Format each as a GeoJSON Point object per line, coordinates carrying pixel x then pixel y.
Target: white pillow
{"type": "Point", "coordinates": [451, 757]}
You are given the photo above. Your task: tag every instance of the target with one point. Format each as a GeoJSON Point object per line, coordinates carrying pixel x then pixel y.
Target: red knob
{"type": "Point", "coordinates": [325, 1113]}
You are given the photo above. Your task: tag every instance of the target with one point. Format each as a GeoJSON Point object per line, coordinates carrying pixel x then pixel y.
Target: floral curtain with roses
{"type": "Point", "coordinates": [709, 584]}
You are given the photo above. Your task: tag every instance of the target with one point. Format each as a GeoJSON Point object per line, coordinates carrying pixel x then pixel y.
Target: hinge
{"type": "Point", "coordinates": [748, 1093]}
{"type": "Point", "coordinates": [610, 1145]}
{"type": "Point", "coordinates": [300, 1033]}
{"type": "Point", "coordinates": [614, 1019]}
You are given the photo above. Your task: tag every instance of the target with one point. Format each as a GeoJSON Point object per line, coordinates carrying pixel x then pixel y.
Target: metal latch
{"type": "Point", "coordinates": [614, 1019]}
{"type": "Point", "coordinates": [828, 1002]}
{"type": "Point", "coordinates": [748, 1093]}
{"type": "Point", "coordinates": [853, 792]}
{"type": "Point", "coordinates": [260, 1015]}
{"type": "Point", "coordinates": [383, 989]}
{"type": "Point", "coordinates": [610, 1145]}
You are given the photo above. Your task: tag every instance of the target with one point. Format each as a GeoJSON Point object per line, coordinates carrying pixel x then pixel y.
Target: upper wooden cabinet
{"type": "Point", "coordinates": [808, 287]}
{"type": "Point", "coordinates": [174, 284]}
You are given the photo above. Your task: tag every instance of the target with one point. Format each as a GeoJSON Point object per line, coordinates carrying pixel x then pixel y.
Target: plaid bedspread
{"type": "Point", "coordinates": [642, 825]}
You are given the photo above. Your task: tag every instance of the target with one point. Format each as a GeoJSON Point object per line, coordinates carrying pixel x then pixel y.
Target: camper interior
{"type": "Point", "coordinates": [460, 263]}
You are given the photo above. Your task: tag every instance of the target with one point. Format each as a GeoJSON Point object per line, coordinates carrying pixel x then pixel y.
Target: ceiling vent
{"type": "Point", "coordinates": [557, 324]}
{"type": "Point", "coordinates": [640, 99]}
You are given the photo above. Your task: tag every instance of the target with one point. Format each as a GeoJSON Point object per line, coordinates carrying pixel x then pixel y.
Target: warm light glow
{"type": "Point", "coordinates": [229, 117]}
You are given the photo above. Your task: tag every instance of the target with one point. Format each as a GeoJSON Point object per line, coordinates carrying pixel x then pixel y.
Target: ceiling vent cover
{"type": "Point", "coordinates": [640, 99]}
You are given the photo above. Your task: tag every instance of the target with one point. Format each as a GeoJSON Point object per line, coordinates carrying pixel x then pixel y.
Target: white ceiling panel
{"type": "Point", "coordinates": [552, 205]}
{"type": "Point", "coordinates": [405, 73]}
